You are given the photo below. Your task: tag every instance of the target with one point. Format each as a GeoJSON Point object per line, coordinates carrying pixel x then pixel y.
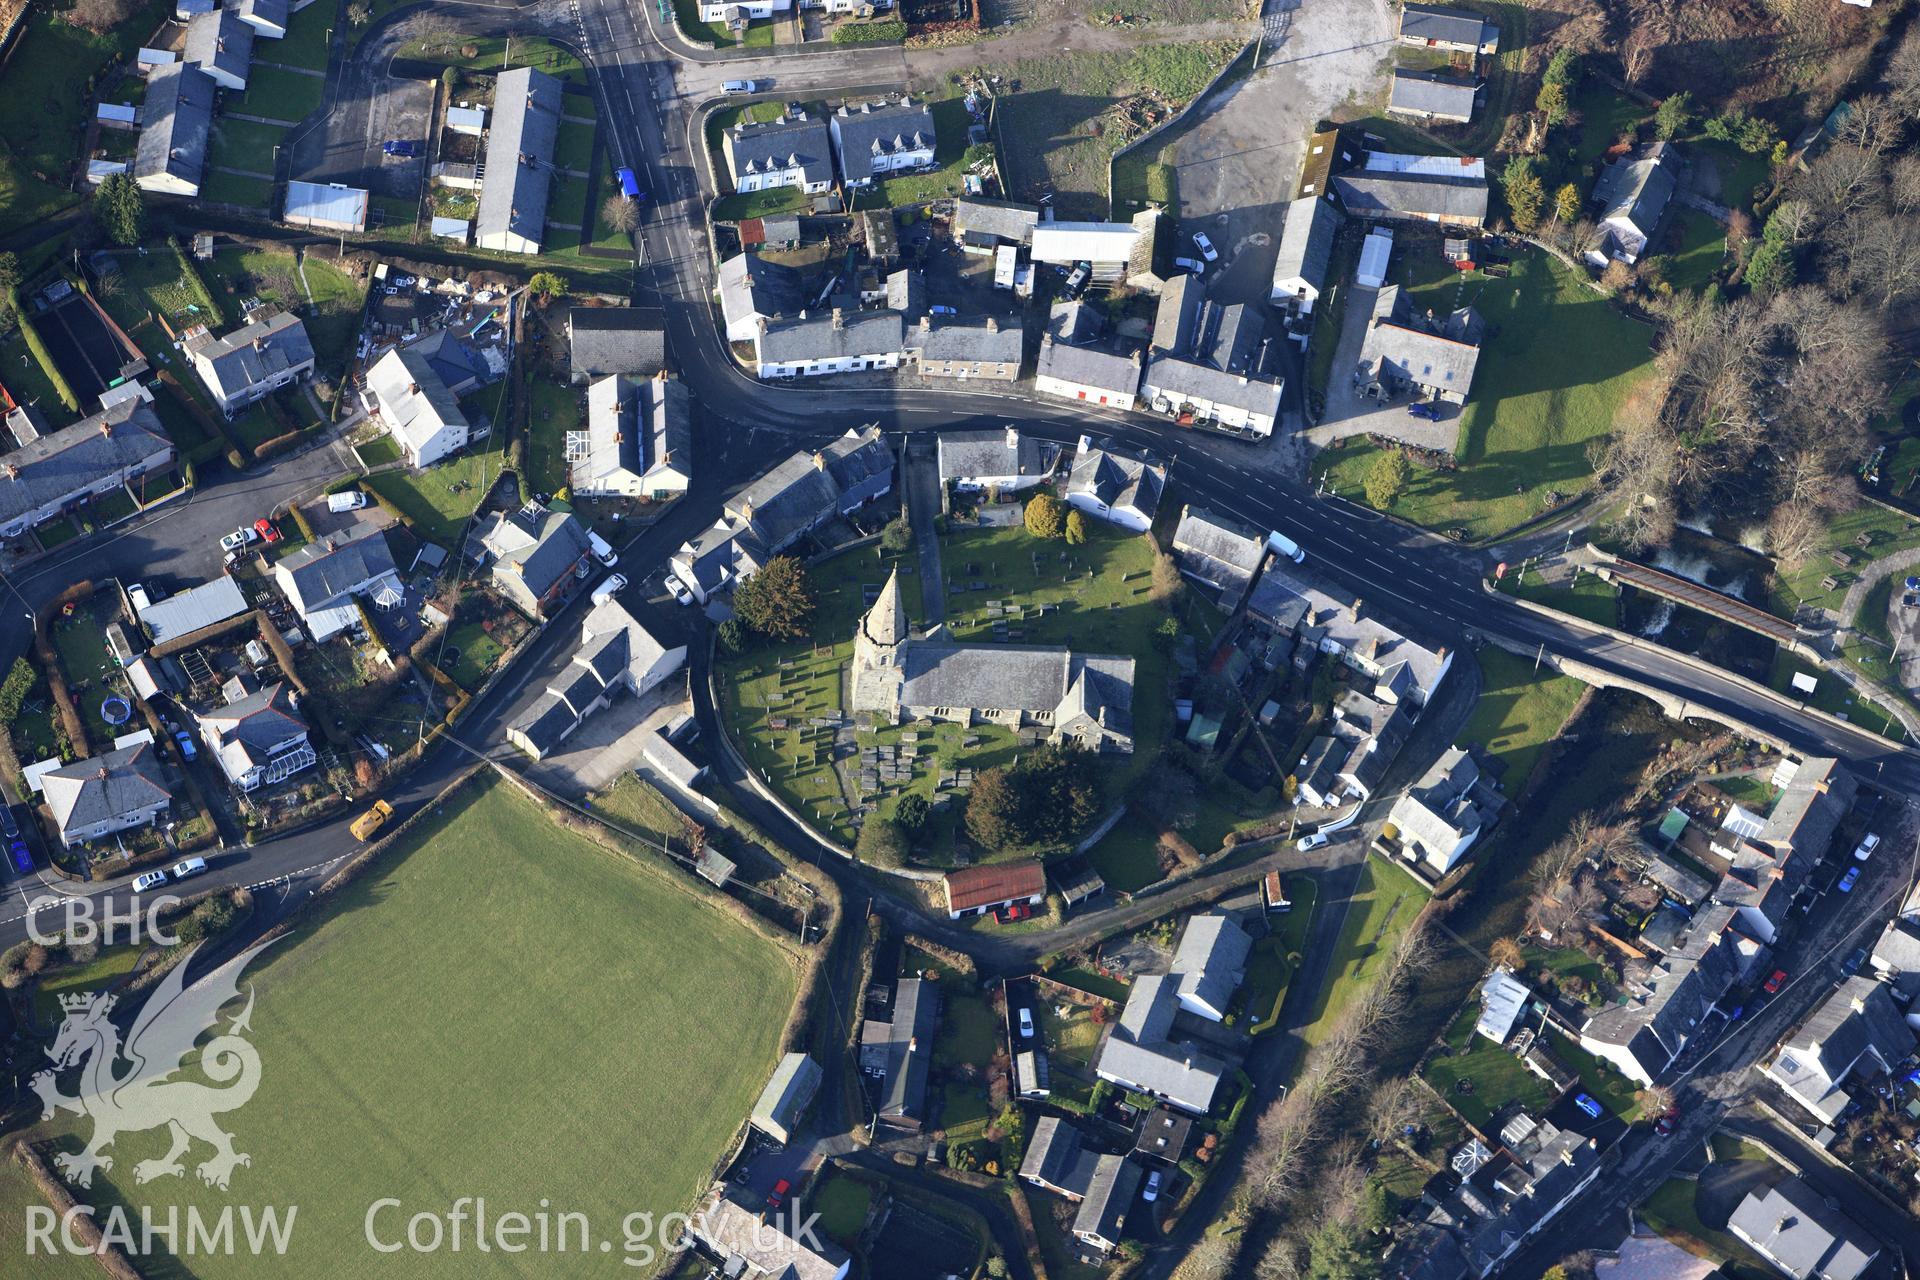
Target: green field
{"type": "Point", "coordinates": [1519, 712]}
{"type": "Point", "coordinates": [492, 54]}
{"type": "Point", "coordinates": [1552, 373]}
{"type": "Point", "coordinates": [102, 971]}
{"type": "Point", "coordinates": [499, 1009]}
{"type": "Point", "coordinates": [231, 188]}
{"type": "Point", "coordinates": [1383, 907]}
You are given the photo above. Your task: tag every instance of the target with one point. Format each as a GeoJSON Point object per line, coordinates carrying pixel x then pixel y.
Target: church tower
{"type": "Point", "coordinates": [877, 644]}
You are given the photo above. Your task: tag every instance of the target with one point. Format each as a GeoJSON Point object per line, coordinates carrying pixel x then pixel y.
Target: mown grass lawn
{"type": "Point", "coordinates": [842, 1203]}
{"type": "Point", "coordinates": [17, 1195]}
{"type": "Point", "coordinates": [574, 148]}
{"type": "Point", "coordinates": [275, 276]}
{"type": "Point", "coordinates": [245, 144]}
{"type": "Point", "coordinates": [278, 93]}
{"type": "Point", "coordinates": [556, 411]}
{"type": "Point", "coordinates": [1383, 906]}
{"type": "Point", "coordinates": [231, 188]}
{"type": "Point", "coordinates": [1479, 1077]}
{"type": "Point", "coordinates": [1519, 712]}
{"type": "Point", "coordinates": [1832, 696]}
{"type": "Point", "coordinates": [440, 500]}
{"type": "Point", "coordinates": [759, 204]}
{"type": "Point", "coordinates": [950, 125]}
{"type": "Point", "coordinates": [478, 652]}
{"type": "Point", "coordinates": [1698, 249]}
{"type": "Point", "coordinates": [106, 968]}
{"type": "Point", "coordinates": [305, 44]}
{"type": "Point", "coordinates": [1591, 597]}
{"type": "Point", "coordinates": [1555, 367]}
{"type": "Point", "coordinates": [500, 1008]}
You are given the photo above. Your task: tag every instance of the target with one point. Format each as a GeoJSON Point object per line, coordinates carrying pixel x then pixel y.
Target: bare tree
{"type": "Point", "coordinates": [620, 213]}
{"type": "Point", "coordinates": [101, 16]}
{"type": "Point", "coordinates": [1903, 182]}
{"type": "Point", "coordinates": [1654, 1100]}
{"type": "Point", "coordinates": [1874, 124]}
{"type": "Point", "coordinates": [1903, 73]}
{"type": "Point", "coordinates": [1506, 953]}
{"type": "Point", "coordinates": [1795, 218]}
{"type": "Point", "coordinates": [1283, 1260]}
{"type": "Point", "coordinates": [1844, 179]}
{"type": "Point", "coordinates": [1211, 1259]}
{"type": "Point", "coordinates": [1395, 1104]}
{"type": "Point", "coordinates": [1880, 256]}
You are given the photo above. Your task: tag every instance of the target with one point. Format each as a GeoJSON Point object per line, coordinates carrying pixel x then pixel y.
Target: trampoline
{"type": "Point", "coordinates": [115, 710]}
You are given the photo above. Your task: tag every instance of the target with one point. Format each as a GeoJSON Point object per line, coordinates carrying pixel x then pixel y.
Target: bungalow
{"type": "Point", "coordinates": [1117, 485]}
{"type": "Point", "coordinates": [1632, 196]}
{"type": "Point", "coordinates": [979, 890]}
{"type": "Point", "coordinates": [170, 156]}
{"type": "Point", "coordinates": [540, 557]}
{"type": "Point", "coordinates": [1003, 460]}
{"type": "Point", "coordinates": [1306, 249]}
{"type": "Point", "coordinates": [813, 346]}
{"type": "Point", "coordinates": [1218, 552]}
{"type": "Point", "coordinates": [221, 45]}
{"type": "Point", "coordinates": [1802, 1233]}
{"type": "Point", "coordinates": [419, 410]}
{"type": "Point", "coordinates": [271, 352]}
{"type": "Point", "coordinates": [754, 291]}
{"type": "Point", "coordinates": [1057, 1161]}
{"type": "Point", "coordinates": [1211, 962]}
{"type": "Point", "coordinates": [1450, 190]}
{"type": "Point", "coordinates": [1408, 352]}
{"type": "Point", "coordinates": [258, 740]}
{"type": "Point", "coordinates": [900, 1050]}
{"type": "Point", "coordinates": [512, 214]}
{"type": "Point", "coordinates": [966, 349]}
{"type": "Point", "coordinates": [1097, 1223]}
{"type": "Point", "coordinates": [793, 151]}
{"type": "Point", "coordinates": [638, 442]}
{"type": "Point", "coordinates": [616, 652]}
{"type": "Point", "coordinates": [1432, 26]}
{"type": "Point", "coordinates": [1430, 96]}
{"type": "Point", "coordinates": [880, 139]}
{"type": "Point", "coordinates": [96, 455]}
{"type": "Point", "coordinates": [94, 798]}
{"type": "Point", "coordinates": [321, 579]}
{"type": "Point", "coordinates": [605, 341]}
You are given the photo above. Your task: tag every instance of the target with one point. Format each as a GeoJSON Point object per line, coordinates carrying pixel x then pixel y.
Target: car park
{"type": "Point", "coordinates": [188, 867]}
{"type": "Point", "coordinates": [1848, 880]}
{"type": "Point", "coordinates": [1587, 1103]}
{"type": "Point", "coordinates": [149, 880]}
{"type": "Point", "coordinates": [1867, 845]}
{"type": "Point", "coordinates": [1778, 980]}
{"type": "Point", "coordinates": [184, 741]}
{"type": "Point", "coordinates": [1026, 1024]}
{"type": "Point", "coordinates": [1205, 246]}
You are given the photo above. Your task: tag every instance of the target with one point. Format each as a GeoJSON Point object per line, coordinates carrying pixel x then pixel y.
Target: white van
{"type": "Point", "coordinates": [602, 550]}
{"type": "Point", "coordinates": [613, 586]}
{"type": "Point", "coordinates": [351, 500]}
{"type": "Point", "coordinates": [1286, 546]}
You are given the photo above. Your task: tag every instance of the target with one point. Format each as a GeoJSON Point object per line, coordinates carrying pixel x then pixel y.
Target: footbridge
{"type": "Point", "coordinates": [1716, 604]}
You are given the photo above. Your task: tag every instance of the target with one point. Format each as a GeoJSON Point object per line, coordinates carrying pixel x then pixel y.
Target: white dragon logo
{"type": "Point", "coordinates": [162, 1035]}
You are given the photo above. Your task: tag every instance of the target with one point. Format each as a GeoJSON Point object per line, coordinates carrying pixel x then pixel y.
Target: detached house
{"type": "Point", "coordinates": [1117, 485]}
{"type": "Point", "coordinates": [512, 216]}
{"type": "Point", "coordinates": [793, 151]}
{"type": "Point", "coordinates": [258, 740]}
{"type": "Point", "coordinates": [94, 798]}
{"type": "Point", "coordinates": [1408, 352]}
{"type": "Point", "coordinates": [638, 442]}
{"type": "Point", "coordinates": [1796, 1229]}
{"type": "Point", "coordinates": [540, 557]}
{"type": "Point", "coordinates": [1142, 1054]}
{"type": "Point", "coordinates": [176, 122]}
{"type": "Point", "coordinates": [259, 358]}
{"type": "Point", "coordinates": [1102, 1185]}
{"type": "Point", "coordinates": [322, 579]}
{"type": "Point", "coordinates": [1004, 460]}
{"type": "Point", "coordinates": [1441, 815]}
{"type": "Point", "coordinates": [1858, 1034]}
{"type": "Point", "coordinates": [421, 413]}
{"type": "Point", "coordinates": [1632, 196]}
{"type": "Point", "coordinates": [1211, 962]}
{"type": "Point", "coordinates": [880, 139]}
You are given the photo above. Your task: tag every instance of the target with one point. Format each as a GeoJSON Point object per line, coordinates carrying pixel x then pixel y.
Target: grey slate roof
{"type": "Point", "coordinates": [966, 454]}
{"type": "Point", "coordinates": [1074, 322]}
{"type": "Point", "coordinates": [269, 12]}
{"type": "Point", "coordinates": [1430, 93]}
{"type": "Point", "coordinates": [997, 219]}
{"type": "Point", "coordinates": [1089, 366]}
{"type": "Point", "coordinates": [175, 123]}
{"type": "Point", "coordinates": [1857, 1032]}
{"type": "Point", "coordinates": [1368, 194]}
{"type": "Point", "coordinates": [1810, 807]}
{"type": "Point", "coordinates": [1211, 959]}
{"type": "Point", "coordinates": [1204, 382]}
{"type": "Point", "coordinates": [238, 363]}
{"type": "Point", "coordinates": [1306, 241]}
{"type": "Point", "coordinates": [219, 40]}
{"type": "Point", "coordinates": [260, 721]}
{"type": "Point", "coordinates": [1009, 677]}
{"type": "Point", "coordinates": [966, 340]}
{"type": "Point", "coordinates": [105, 787]}
{"type": "Point", "coordinates": [558, 541]}
{"type": "Point", "coordinates": [1399, 342]}
{"type": "Point", "coordinates": [794, 140]}
{"type": "Point", "coordinates": [1792, 1226]}
{"type": "Point", "coordinates": [881, 128]}
{"type": "Point", "coordinates": [907, 292]}
{"type": "Point", "coordinates": [1139, 1050]}
{"type": "Point", "coordinates": [453, 360]}
{"type": "Point", "coordinates": [1176, 320]}
{"type": "Point", "coordinates": [1118, 478]}
{"type": "Point", "coordinates": [825, 337]}
{"type": "Point", "coordinates": [525, 122]}
{"type": "Point", "coordinates": [1223, 539]}
{"type": "Point", "coordinates": [320, 575]}
{"type": "Point", "coordinates": [909, 1049]}
{"type": "Point", "coordinates": [1898, 948]}
{"type": "Point", "coordinates": [787, 499]}
{"type": "Point", "coordinates": [58, 466]}
{"type": "Point", "coordinates": [1450, 26]}
{"type": "Point", "coordinates": [603, 341]}
{"type": "Point", "coordinates": [1056, 1157]}
{"type": "Point", "coordinates": [1636, 189]}
{"type": "Point", "coordinates": [751, 285]}
{"type": "Point", "coordinates": [546, 722]}
{"type": "Point", "coordinates": [1115, 1180]}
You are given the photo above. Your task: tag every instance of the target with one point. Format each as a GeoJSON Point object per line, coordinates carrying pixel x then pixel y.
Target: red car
{"type": "Point", "coordinates": [1778, 980]}
{"type": "Point", "coordinates": [1018, 911]}
{"type": "Point", "coordinates": [778, 1196]}
{"type": "Point", "coordinates": [1667, 1123]}
{"type": "Point", "coordinates": [267, 530]}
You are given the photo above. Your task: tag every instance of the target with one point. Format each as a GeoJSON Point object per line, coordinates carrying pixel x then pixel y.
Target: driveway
{"type": "Point", "coordinates": [1348, 413]}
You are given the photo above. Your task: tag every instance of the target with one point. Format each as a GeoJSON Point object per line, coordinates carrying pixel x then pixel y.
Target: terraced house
{"type": "Point", "coordinates": [512, 216]}
{"type": "Point", "coordinates": [793, 151]}
{"type": "Point", "coordinates": [638, 442]}
{"type": "Point", "coordinates": [170, 157]}
{"type": "Point", "coordinates": [95, 456]}
{"type": "Point", "coordinates": [880, 139]}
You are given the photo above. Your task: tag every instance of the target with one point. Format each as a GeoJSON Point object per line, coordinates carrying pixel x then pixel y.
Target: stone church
{"type": "Point", "coordinates": [1083, 699]}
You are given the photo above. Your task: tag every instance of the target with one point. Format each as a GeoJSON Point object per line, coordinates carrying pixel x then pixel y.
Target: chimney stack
{"type": "Point", "coordinates": [1013, 436]}
{"type": "Point", "coordinates": [819, 462]}
{"type": "Point", "coordinates": [993, 324]}
{"type": "Point", "coordinates": [839, 318]}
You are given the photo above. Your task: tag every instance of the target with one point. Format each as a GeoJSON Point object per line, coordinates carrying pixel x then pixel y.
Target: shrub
{"type": "Point", "coordinates": [897, 536]}
{"type": "Point", "coordinates": [778, 601]}
{"type": "Point", "coordinates": [276, 446]}
{"type": "Point", "coordinates": [869, 32]}
{"type": "Point", "coordinates": [1046, 516]}
{"type": "Point", "coordinates": [1076, 527]}
{"type": "Point", "coordinates": [912, 811]}
{"type": "Point", "coordinates": [1387, 478]}
{"type": "Point", "coordinates": [882, 842]}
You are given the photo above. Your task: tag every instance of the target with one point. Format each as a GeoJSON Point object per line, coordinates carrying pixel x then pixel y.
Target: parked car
{"type": "Point", "coordinates": [944, 310]}
{"type": "Point", "coordinates": [9, 827]}
{"type": "Point", "coordinates": [1848, 880]}
{"type": "Point", "coordinates": [1867, 845]}
{"type": "Point", "coordinates": [1851, 965]}
{"type": "Point", "coordinates": [188, 867]}
{"type": "Point", "coordinates": [1312, 840]}
{"type": "Point", "coordinates": [267, 529]}
{"type": "Point", "coordinates": [1586, 1102]}
{"type": "Point", "coordinates": [372, 820]}
{"type": "Point", "coordinates": [778, 1196]}
{"type": "Point", "coordinates": [613, 586]}
{"type": "Point", "coordinates": [351, 500]}
{"type": "Point", "coordinates": [184, 740]}
{"type": "Point", "coordinates": [741, 86]}
{"type": "Point", "coordinates": [1424, 409]}
{"type": "Point", "coordinates": [1667, 1123]}
{"type": "Point", "coordinates": [1192, 266]}
{"type": "Point", "coordinates": [1151, 1191]}
{"type": "Point", "coordinates": [239, 540]}
{"type": "Point", "coordinates": [137, 595]}
{"type": "Point", "coordinates": [22, 856]}
{"type": "Point", "coordinates": [1015, 911]}
{"type": "Point", "coordinates": [602, 549]}
{"type": "Point", "coordinates": [1772, 985]}
{"type": "Point", "coordinates": [680, 591]}
{"type": "Point", "coordinates": [1078, 278]}
{"type": "Point", "coordinates": [400, 148]}
{"type": "Point", "coordinates": [1286, 546]}
{"type": "Point", "coordinates": [1026, 1024]}
{"type": "Point", "coordinates": [629, 184]}
{"type": "Point", "coordinates": [149, 880]}
{"type": "Point", "coordinates": [1205, 246]}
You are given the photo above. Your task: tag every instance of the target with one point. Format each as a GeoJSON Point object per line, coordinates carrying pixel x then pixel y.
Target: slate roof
{"type": "Point", "coordinates": [1306, 241]}
{"type": "Point", "coordinates": [1089, 367]}
{"type": "Point", "coordinates": [105, 787]}
{"type": "Point", "coordinates": [454, 360]}
{"type": "Point", "coordinates": [1450, 26]}
{"type": "Point", "coordinates": [827, 337]}
{"type": "Point", "coordinates": [1791, 1225]}
{"type": "Point", "coordinates": [1211, 959]}
{"type": "Point", "coordinates": [546, 722]}
{"type": "Point", "coordinates": [1176, 319]}
{"type": "Point", "coordinates": [1857, 1033]}
{"type": "Point", "coordinates": [413, 398]}
{"type": "Point", "coordinates": [537, 545]}
{"type": "Point", "coordinates": [761, 1242]}
{"type": "Point", "coordinates": [526, 122]}
{"type": "Point", "coordinates": [255, 353]}
{"type": "Point", "coordinates": [269, 12]}
{"type": "Point", "coordinates": [258, 722]}
{"type": "Point", "coordinates": [909, 1049]}
{"type": "Point", "coordinates": [1430, 93]}
{"type": "Point", "coordinates": [1219, 549]}
{"type": "Point", "coordinates": [1115, 1181]}
{"type": "Point", "coordinates": [1010, 677]}
{"type": "Point", "coordinates": [219, 40]}
{"type": "Point", "coordinates": [1376, 194]}
{"type": "Point", "coordinates": [1138, 1049]}
{"type": "Point", "coordinates": [1056, 1157]}
{"type": "Point", "coordinates": [1437, 811]}
{"type": "Point", "coordinates": [907, 292]}
{"type": "Point", "coordinates": [1397, 341]}
{"type": "Point", "coordinates": [64, 463]}
{"type": "Point", "coordinates": [793, 141]}
{"type": "Point", "coordinates": [1074, 322]}
{"type": "Point", "coordinates": [1118, 478]}
{"type": "Point", "coordinates": [317, 575]}
{"type": "Point", "coordinates": [1898, 948]}
{"type": "Point", "coordinates": [1811, 805]}
{"type": "Point", "coordinates": [1214, 386]}
{"type": "Point", "coordinates": [787, 499]}
{"type": "Point", "coordinates": [967, 340]}
{"type": "Point", "coordinates": [998, 219]}
{"type": "Point", "coordinates": [603, 341]}
{"type": "Point", "coordinates": [1635, 190]}
{"type": "Point", "coordinates": [752, 286]}
{"type": "Point", "coordinates": [993, 883]}
{"type": "Point", "coordinates": [1328, 612]}
{"type": "Point", "coordinates": [176, 121]}
{"type": "Point", "coordinates": [635, 425]}
{"type": "Point", "coordinates": [881, 128]}
{"type": "Point", "coordinates": [965, 455]}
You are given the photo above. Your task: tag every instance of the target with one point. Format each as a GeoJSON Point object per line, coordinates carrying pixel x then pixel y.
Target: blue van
{"type": "Point", "coordinates": [629, 185]}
